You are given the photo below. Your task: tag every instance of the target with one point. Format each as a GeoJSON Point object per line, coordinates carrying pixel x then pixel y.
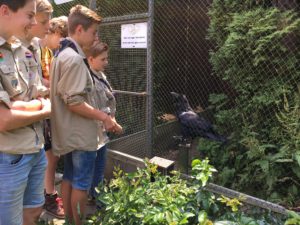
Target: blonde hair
{"type": "Point", "coordinates": [81, 15]}
{"type": "Point", "coordinates": [59, 25]}
{"type": "Point", "coordinates": [43, 6]}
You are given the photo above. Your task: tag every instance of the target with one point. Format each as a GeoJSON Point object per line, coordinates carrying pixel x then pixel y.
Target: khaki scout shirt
{"type": "Point", "coordinates": [34, 48]}
{"type": "Point", "coordinates": [104, 101]}
{"type": "Point", "coordinates": [71, 84]}
{"type": "Point", "coordinates": [18, 74]}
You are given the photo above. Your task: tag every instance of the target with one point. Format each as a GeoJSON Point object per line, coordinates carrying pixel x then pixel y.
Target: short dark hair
{"type": "Point", "coordinates": [81, 15]}
{"type": "Point", "coordinates": [14, 5]}
{"type": "Point", "coordinates": [97, 49]}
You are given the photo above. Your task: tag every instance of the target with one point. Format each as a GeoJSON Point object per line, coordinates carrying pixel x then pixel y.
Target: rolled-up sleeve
{"type": "Point", "coordinates": [73, 82]}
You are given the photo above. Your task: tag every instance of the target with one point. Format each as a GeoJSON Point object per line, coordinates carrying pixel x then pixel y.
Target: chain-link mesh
{"type": "Point", "coordinates": [192, 55]}
{"type": "Point", "coordinates": [64, 9]}
{"type": "Point", "coordinates": [127, 72]}
{"type": "Point", "coordinates": [237, 63]}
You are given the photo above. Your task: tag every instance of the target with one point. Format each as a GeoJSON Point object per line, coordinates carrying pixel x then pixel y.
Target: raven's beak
{"type": "Point", "coordinates": [174, 94]}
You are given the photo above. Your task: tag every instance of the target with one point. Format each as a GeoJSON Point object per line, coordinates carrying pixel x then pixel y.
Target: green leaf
{"type": "Point", "coordinates": [202, 217]}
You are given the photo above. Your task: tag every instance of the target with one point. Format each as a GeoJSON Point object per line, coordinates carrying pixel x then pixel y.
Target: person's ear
{"type": "Point", "coordinates": [79, 29]}
{"type": "Point", "coordinates": [90, 59]}
{"type": "Point", "coordinates": [5, 10]}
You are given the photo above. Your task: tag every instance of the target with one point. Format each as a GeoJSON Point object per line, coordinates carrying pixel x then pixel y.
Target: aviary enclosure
{"type": "Point", "coordinates": [236, 61]}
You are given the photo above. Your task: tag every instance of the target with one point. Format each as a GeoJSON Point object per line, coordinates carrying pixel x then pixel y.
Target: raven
{"type": "Point", "coordinates": [193, 125]}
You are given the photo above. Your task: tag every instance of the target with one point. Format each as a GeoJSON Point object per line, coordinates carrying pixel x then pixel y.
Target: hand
{"type": "Point", "coordinates": [118, 129]}
{"type": "Point", "coordinates": [109, 124]}
{"type": "Point", "coordinates": [46, 105]}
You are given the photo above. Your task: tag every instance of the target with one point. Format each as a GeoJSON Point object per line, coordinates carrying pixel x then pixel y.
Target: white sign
{"type": "Point", "coordinates": [57, 2]}
{"type": "Point", "coordinates": [134, 35]}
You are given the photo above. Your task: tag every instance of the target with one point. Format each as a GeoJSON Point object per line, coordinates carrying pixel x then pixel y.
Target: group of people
{"type": "Point", "coordinates": [54, 101]}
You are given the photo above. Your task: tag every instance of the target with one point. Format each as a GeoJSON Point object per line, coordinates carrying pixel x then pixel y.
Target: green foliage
{"type": "Point", "coordinates": [135, 199]}
{"type": "Point", "coordinates": [294, 219]}
{"type": "Point", "coordinates": [147, 197]}
{"type": "Point", "coordinates": [257, 52]}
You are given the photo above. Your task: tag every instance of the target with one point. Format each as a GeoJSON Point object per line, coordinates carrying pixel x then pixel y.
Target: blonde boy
{"type": "Point", "coordinates": [73, 121]}
{"type": "Point", "coordinates": [57, 30]}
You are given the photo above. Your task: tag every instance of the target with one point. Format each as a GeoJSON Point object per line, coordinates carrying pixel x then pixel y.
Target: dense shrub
{"type": "Point", "coordinates": [257, 52]}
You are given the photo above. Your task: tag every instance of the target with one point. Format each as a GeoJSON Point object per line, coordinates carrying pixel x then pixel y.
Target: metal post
{"type": "Point", "coordinates": [149, 108]}
{"type": "Point", "coordinates": [93, 4]}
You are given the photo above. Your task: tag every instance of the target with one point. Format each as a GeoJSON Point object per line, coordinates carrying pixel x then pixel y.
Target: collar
{"type": "Point", "coordinates": [35, 43]}
{"type": "Point", "coordinates": [12, 43]}
{"type": "Point", "coordinates": [15, 43]}
{"type": "Point", "coordinates": [80, 51]}
{"type": "Point", "coordinates": [99, 74]}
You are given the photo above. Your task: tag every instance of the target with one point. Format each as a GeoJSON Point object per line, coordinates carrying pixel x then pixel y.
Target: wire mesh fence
{"type": "Point", "coordinates": [238, 65]}
{"type": "Point", "coordinates": [192, 54]}
{"type": "Point", "coordinates": [64, 9]}
{"type": "Point", "coordinates": [236, 61]}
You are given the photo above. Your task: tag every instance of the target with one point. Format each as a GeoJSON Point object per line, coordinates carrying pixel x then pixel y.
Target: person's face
{"type": "Point", "coordinates": [42, 27]}
{"type": "Point", "coordinates": [21, 21]}
{"type": "Point", "coordinates": [89, 36]}
{"type": "Point", "coordinates": [52, 40]}
{"type": "Point", "coordinates": [100, 62]}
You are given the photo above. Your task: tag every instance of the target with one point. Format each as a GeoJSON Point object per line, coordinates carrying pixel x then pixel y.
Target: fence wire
{"type": "Point", "coordinates": [193, 54]}
{"type": "Point", "coordinates": [64, 9]}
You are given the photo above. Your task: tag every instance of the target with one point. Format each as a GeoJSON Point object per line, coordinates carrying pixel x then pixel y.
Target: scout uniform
{"type": "Point", "coordinates": [19, 80]}
{"type": "Point", "coordinates": [104, 101]}
{"type": "Point", "coordinates": [71, 84]}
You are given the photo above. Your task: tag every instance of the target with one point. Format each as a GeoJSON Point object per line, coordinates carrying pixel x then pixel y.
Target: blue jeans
{"type": "Point", "coordinates": [99, 169]}
{"type": "Point", "coordinates": [78, 169]}
{"type": "Point", "coordinates": [21, 185]}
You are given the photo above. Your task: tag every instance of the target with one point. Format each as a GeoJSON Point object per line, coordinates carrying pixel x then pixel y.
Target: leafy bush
{"type": "Point", "coordinates": [147, 197]}
{"type": "Point", "coordinates": [257, 52]}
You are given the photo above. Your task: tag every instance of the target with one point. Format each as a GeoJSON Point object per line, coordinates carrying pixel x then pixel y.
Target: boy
{"type": "Point", "coordinates": [57, 30]}
{"type": "Point", "coordinates": [105, 101]}
{"type": "Point", "coordinates": [31, 44]}
{"type": "Point", "coordinates": [44, 9]}
{"type": "Point", "coordinates": [74, 116]}
{"type": "Point", "coordinates": [22, 160]}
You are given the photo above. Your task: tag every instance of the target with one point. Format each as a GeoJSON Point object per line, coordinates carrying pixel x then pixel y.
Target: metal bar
{"type": "Point", "coordinates": [127, 136]}
{"type": "Point", "coordinates": [130, 93]}
{"type": "Point", "coordinates": [93, 4]}
{"type": "Point", "coordinates": [142, 17]}
{"type": "Point", "coordinates": [123, 157]}
{"type": "Point", "coordinates": [246, 198]}
{"type": "Point", "coordinates": [149, 107]}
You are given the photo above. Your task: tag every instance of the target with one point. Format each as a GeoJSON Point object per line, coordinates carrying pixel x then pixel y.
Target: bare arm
{"type": "Point", "coordinates": [33, 105]}
{"type": "Point", "coordinates": [12, 119]}
{"type": "Point", "coordinates": [88, 111]}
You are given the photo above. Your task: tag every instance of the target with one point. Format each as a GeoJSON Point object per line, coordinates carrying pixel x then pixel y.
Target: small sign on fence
{"type": "Point", "coordinates": [134, 35]}
{"type": "Point", "coordinates": [58, 2]}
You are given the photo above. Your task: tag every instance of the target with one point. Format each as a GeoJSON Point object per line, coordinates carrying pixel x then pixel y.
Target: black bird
{"type": "Point", "coordinates": [193, 125]}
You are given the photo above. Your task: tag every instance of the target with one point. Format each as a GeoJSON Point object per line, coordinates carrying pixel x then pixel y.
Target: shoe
{"type": "Point", "coordinates": [54, 206]}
